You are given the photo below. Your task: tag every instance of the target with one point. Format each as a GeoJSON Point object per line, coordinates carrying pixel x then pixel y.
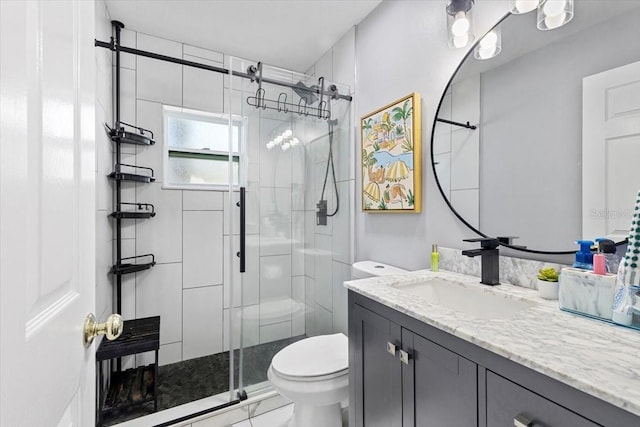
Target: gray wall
{"type": "Point", "coordinates": [401, 48]}
{"type": "Point", "coordinates": [531, 132]}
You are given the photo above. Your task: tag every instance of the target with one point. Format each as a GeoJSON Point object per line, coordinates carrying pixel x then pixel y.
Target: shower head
{"type": "Point", "coordinates": [305, 92]}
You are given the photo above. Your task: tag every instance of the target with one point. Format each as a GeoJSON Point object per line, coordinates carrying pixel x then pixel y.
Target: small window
{"type": "Point", "coordinates": [197, 150]}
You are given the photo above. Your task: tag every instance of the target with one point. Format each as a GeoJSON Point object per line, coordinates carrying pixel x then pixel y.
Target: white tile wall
{"type": "Point", "coordinates": [149, 116]}
{"type": "Point", "coordinates": [202, 318]}
{"type": "Point", "coordinates": [249, 282]}
{"type": "Point", "coordinates": [324, 321]}
{"type": "Point", "coordinates": [275, 278]}
{"type": "Point", "coordinates": [203, 54]}
{"type": "Point", "coordinates": [298, 297]}
{"type": "Point", "coordinates": [157, 79]}
{"type": "Point", "coordinates": [309, 243]}
{"type": "Point", "coordinates": [310, 298]}
{"type": "Point", "coordinates": [202, 200]}
{"type": "Point", "coordinates": [324, 66]}
{"type": "Point", "coordinates": [341, 242]}
{"type": "Point", "coordinates": [274, 332]}
{"type": "Point", "coordinates": [248, 317]}
{"type": "Point", "coordinates": [202, 250]}
{"type": "Point", "coordinates": [161, 235]}
{"type": "Point", "coordinates": [344, 57]}
{"type": "Point", "coordinates": [128, 99]}
{"type": "Point", "coordinates": [128, 39]}
{"type": "Point", "coordinates": [202, 89]}
{"type": "Point", "coordinates": [297, 244]}
{"type": "Point", "coordinates": [323, 268]}
{"type": "Point", "coordinates": [159, 293]}
{"type": "Point", "coordinates": [275, 217]}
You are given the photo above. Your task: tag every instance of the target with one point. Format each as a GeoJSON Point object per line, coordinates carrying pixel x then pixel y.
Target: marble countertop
{"type": "Point", "coordinates": [598, 358]}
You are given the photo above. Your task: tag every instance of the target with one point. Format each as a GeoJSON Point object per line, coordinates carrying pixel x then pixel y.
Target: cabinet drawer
{"type": "Point", "coordinates": [507, 400]}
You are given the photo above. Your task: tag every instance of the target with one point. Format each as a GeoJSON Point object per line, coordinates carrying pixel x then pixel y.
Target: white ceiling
{"type": "Point", "coordinates": [291, 34]}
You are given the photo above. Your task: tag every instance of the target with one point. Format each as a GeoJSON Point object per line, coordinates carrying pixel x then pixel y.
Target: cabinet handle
{"type": "Point", "coordinates": [391, 349]}
{"type": "Point", "coordinates": [522, 421]}
{"type": "Point", "coordinates": [404, 357]}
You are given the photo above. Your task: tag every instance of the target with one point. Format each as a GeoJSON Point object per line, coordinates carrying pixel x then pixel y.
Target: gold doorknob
{"type": "Point", "coordinates": [112, 328]}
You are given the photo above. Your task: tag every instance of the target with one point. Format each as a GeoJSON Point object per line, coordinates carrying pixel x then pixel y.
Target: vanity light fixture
{"type": "Point", "coordinates": [490, 45]}
{"type": "Point", "coordinates": [459, 23]}
{"type": "Point", "coordinates": [554, 13]}
{"type": "Point", "coordinates": [518, 7]}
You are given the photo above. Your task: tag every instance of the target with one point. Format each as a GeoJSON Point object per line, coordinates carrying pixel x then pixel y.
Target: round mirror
{"type": "Point", "coordinates": [511, 146]}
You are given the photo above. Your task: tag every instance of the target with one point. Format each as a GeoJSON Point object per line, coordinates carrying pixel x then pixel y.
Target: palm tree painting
{"type": "Point", "coordinates": [391, 157]}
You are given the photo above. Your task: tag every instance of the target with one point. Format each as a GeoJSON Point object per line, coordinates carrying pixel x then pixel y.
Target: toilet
{"type": "Point", "coordinates": [313, 373]}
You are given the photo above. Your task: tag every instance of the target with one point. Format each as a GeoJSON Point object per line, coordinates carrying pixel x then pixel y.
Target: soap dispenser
{"type": "Point", "coordinates": [584, 257]}
{"type": "Point", "coordinates": [435, 258]}
{"type": "Point", "coordinates": [608, 248]}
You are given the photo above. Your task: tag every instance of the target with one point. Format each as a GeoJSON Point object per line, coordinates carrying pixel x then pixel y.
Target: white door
{"type": "Point", "coordinates": [610, 151]}
{"type": "Point", "coordinates": [47, 212]}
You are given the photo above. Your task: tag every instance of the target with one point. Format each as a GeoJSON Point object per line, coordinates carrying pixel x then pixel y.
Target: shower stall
{"type": "Point", "coordinates": [277, 240]}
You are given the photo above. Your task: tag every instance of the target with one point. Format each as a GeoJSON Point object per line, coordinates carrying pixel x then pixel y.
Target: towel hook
{"type": "Point", "coordinates": [282, 98]}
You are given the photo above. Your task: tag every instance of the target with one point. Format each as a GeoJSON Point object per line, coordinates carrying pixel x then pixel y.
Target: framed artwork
{"type": "Point", "coordinates": [391, 157]}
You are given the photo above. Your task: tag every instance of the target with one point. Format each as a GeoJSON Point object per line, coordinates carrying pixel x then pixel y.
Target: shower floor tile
{"type": "Point", "coordinates": [189, 380]}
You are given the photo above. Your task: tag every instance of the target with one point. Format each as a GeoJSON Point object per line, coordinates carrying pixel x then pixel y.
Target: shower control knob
{"type": "Point", "coordinates": [112, 328]}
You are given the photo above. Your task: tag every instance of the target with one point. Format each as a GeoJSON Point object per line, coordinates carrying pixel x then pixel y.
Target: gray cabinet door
{"type": "Point", "coordinates": [377, 373]}
{"type": "Point", "coordinates": [439, 387]}
{"type": "Point", "coordinates": [507, 400]}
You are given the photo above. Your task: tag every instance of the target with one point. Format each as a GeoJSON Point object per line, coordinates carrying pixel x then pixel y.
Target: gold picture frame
{"type": "Point", "coordinates": [391, 157]}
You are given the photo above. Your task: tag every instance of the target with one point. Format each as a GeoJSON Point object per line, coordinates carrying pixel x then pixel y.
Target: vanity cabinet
{"type": "Point", "coordinates": [403, 379]}
{"type": "Point", "coordinates": [406, 373]}
{"type": "Point", "coordinates": [508, 402]}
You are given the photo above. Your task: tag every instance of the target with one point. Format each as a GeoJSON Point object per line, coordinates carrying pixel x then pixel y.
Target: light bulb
{"type": "Point", "coordinates": [461, 41]}
{"type": "Point", "coordinates": [278, 139]}
{"type": "Point", "coordinates": [286, 146]}
{"type": "Point", "coordinates": [295, 141]}
{"type": "Point", "coordinates": [489, 41]}
{"type": "Point", "coordinates": [486, 52]}
{"type": "Point", "coordinates": [554, 7]}
{"type": "Point", "coordinates": [287, 133]}
{"type": "Point", "coordinates": [460, 25]}
{"type": "Point", "coordinates": [555, 21]}
{"type": "Point", "coordinates": [524, 6]}
{"type": "Point", "coordinates": [270, 145]}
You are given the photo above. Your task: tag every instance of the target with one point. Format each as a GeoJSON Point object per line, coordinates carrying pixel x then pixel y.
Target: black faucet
{"type": "Point", "coordinates": [490, 259]}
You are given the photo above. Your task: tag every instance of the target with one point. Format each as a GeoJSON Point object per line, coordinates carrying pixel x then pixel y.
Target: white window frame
{"type": "Point", "coordinates": [203, 116]}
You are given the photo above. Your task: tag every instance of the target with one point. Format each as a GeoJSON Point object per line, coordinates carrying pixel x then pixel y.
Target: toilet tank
{"type": "Point", "coordinates": [364, 269]}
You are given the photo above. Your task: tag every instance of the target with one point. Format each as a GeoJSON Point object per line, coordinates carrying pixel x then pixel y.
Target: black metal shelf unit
{"type": "Point", "coordinates": [133, 386]}
{"type": "Point", "coordinates": [140, 385]}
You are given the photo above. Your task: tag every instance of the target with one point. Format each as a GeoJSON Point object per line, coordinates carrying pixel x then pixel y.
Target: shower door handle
{"type": "Point", "coordinates": [243, 220]}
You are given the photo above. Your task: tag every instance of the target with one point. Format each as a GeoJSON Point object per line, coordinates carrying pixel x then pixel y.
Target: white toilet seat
{"type": "Point", "coordinates": [313, 359]}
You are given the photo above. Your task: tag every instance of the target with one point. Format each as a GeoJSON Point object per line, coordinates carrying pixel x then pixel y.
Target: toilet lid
{"type": "Point", "coordinates": [313, 357]}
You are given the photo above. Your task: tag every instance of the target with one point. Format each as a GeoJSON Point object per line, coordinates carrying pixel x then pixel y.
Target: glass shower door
{"type": "Point", "coordinates": [279, 298]}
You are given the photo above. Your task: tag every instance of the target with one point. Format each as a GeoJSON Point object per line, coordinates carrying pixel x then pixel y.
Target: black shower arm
{"type": "Point", "coordinates": [111, 46]}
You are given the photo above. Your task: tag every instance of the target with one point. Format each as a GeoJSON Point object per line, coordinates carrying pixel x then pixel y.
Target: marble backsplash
{"type": "Point", "coordinates": [516, 271]}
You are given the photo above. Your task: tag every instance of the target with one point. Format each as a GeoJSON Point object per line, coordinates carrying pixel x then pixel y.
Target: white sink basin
{"type": "Point", "coordinates": [468, 300]}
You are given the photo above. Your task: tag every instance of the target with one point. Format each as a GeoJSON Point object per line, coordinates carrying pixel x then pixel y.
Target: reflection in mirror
{"type": "Point", "coordinates": [519, 173]}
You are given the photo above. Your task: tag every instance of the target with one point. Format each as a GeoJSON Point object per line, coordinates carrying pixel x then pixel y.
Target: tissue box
{"type": "Point", "coordinates": [587, 293]}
